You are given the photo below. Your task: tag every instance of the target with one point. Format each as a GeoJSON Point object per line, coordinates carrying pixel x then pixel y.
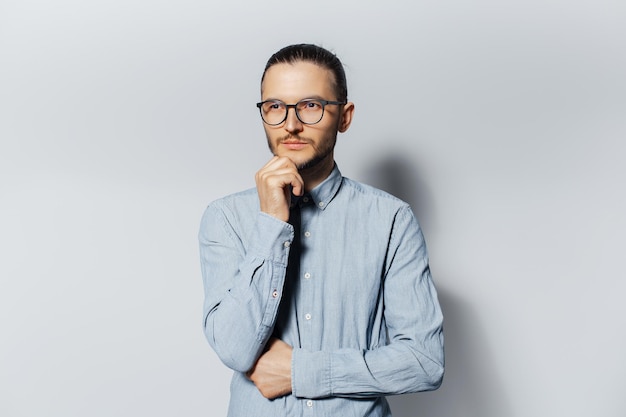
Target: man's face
{"type": "Point", "coordinates": [306, 145]}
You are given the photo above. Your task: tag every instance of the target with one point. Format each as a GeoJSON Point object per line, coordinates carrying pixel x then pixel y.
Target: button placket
{"type": "Point", "coordinates": [306, 315]}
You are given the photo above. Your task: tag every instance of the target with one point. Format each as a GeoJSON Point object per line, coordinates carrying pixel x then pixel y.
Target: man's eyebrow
{"type": "Point", "coordinates": [314, 96]}
{"type": "Point", "coordinates": [307, 97]}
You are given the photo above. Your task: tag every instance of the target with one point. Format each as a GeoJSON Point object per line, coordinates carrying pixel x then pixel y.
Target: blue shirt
{"type": "Point", "coordinates": [363, 317]}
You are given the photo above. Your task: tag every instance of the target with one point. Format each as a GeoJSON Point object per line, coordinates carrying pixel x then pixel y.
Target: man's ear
{"type": "Point", "coordinates": [346, 116]}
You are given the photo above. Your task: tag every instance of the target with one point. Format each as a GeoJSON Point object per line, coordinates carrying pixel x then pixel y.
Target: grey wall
{"type": "Point", "coordinates": [502, 122]}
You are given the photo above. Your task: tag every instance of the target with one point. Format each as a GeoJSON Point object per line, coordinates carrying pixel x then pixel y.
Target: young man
{"type": "Point", "coordinates": [318, 292]}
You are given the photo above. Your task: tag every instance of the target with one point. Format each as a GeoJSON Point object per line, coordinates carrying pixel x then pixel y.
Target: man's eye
{"type": "Point", "coordinates": [312, 105]}
{"type": "Point", "coordinates": [273, 106]}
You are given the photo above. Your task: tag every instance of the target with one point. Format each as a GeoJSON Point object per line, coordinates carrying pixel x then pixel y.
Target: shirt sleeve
{"type": "Point", "coordinates": [413, 358]}
{"type": "Point", "coordinates": [243, 281]}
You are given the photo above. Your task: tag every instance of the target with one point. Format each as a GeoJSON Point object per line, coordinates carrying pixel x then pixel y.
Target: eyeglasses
{"type": "Point", "coordinates": [309, 111]}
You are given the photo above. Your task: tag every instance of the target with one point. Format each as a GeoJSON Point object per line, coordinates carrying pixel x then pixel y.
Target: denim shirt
{"type": "Point", "coordinates": [362, 316]}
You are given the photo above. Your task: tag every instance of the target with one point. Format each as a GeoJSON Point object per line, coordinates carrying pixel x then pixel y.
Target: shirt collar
{"type": "Point", "coordinates": [324, 193]}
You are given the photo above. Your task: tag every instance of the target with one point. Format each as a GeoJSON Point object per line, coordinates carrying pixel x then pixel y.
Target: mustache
{"type": "Point", "coordinates": [290, 137]}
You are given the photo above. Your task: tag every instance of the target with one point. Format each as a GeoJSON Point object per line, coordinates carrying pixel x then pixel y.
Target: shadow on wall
{"type": "Point", "coordinates": [397, 175]}
{"type": "Point", "coordinates": [471, 387]}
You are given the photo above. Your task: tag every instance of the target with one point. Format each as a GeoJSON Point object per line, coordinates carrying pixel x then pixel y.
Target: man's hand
{"type": "Point", "coordinates": [273, 183]}
{"type": "Point", "coordinates": [272, 372]}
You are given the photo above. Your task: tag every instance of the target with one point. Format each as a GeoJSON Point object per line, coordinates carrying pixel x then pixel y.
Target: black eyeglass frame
{"type": "Point", "coordinates": [295, 109]}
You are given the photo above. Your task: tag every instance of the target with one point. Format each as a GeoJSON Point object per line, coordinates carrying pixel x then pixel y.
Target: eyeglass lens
{"type": "Point", "coordinates": [308, 111]}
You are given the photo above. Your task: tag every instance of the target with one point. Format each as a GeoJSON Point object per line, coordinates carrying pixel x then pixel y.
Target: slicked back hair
{"type": "Point", "coordinates": [316, 55]}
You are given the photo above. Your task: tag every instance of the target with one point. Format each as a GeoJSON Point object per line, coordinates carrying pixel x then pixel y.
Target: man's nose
{"type": "Point", "coordinates": [292, 123]}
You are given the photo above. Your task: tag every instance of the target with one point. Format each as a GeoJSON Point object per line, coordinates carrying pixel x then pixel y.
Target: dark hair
{"type": "Point", "coordinates": [316, 55]}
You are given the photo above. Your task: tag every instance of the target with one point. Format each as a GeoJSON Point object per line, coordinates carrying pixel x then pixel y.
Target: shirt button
{"type": "Point", "coordinates": [275, 294]}
{"type": "Point", "coordinates": [305, 199]}
{"type": "Point", "coordinates": [307, 234]}
{"type": "Point", "coordinates": [309, 403]}
{"type": "Point", "coordinates": [287, 244]}
{"type": "Point", "coordinates": [307, 316]}
{"type": "Point", "coordinates": [321, 204]}
{"type": "Point", "coordinates": [307, 275]}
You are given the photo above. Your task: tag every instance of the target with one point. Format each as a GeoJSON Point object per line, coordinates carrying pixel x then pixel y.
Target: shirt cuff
{"type": "Point", "coordinates": [310, 374]}
{"type": "Point", "coordinates": [271, 239]}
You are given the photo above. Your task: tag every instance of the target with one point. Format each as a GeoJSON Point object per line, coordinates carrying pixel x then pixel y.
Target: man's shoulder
{"type": "Point", "coordinates": [242, 201]}
{"type": "Point", "coordinates": [235, 211]}
{"type": "Point", "coordinates": [370, 194]}
{"type": "Point", "coordinates": [240, 196]}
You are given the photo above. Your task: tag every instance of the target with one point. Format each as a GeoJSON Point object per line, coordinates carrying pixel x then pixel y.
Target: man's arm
{"type": "Point", "coordinates": [413, 358]}
{"type": "Point", "coordinates": [243, 283]}
{"type": "Point", "coordinates": [272, 372]}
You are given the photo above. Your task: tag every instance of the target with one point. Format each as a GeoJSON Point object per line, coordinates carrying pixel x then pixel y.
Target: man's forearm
{"type": "Point", "coordinates": [272, 372]}
{"type": "Point", "coordinates": [242, 289]}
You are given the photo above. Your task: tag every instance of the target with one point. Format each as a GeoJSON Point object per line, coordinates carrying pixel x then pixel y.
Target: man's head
{"type": "Point", "coordinates": [314, 80]}
{"type": "Point", "coordinates": [316, 55]}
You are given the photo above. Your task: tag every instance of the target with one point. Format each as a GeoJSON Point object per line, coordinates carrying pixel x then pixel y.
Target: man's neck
{"type": "Point", "coordinates": [315, 175]}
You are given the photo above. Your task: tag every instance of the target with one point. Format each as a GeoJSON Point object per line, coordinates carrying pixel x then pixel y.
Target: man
{"type": "Point", "coordinates": [318, 292]}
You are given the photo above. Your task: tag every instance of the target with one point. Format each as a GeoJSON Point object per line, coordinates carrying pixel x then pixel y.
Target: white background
{"type": "Point", "coordinates": [502, 122]}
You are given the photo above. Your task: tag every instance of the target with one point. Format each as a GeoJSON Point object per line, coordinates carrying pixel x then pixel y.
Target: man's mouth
{"type": "Point", "coordinates": [294, 144]}
{"type": "Point", "coordinates": [293, 139]}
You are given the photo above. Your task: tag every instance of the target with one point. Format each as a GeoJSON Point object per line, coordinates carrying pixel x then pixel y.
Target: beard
{"type": "Point", "coordinates": [326, 147]}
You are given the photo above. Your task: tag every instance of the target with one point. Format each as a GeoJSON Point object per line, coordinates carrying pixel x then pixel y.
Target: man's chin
{"type": "Point", "coordinates": [301, 161]}
{"type": "Point", "coordinates": [309, 163]}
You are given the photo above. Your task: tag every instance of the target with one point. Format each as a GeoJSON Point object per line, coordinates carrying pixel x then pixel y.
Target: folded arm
{"type": "Point", "coordinates": [413, 358]}
{"type": "Point", "coordinates": [242, 285]}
